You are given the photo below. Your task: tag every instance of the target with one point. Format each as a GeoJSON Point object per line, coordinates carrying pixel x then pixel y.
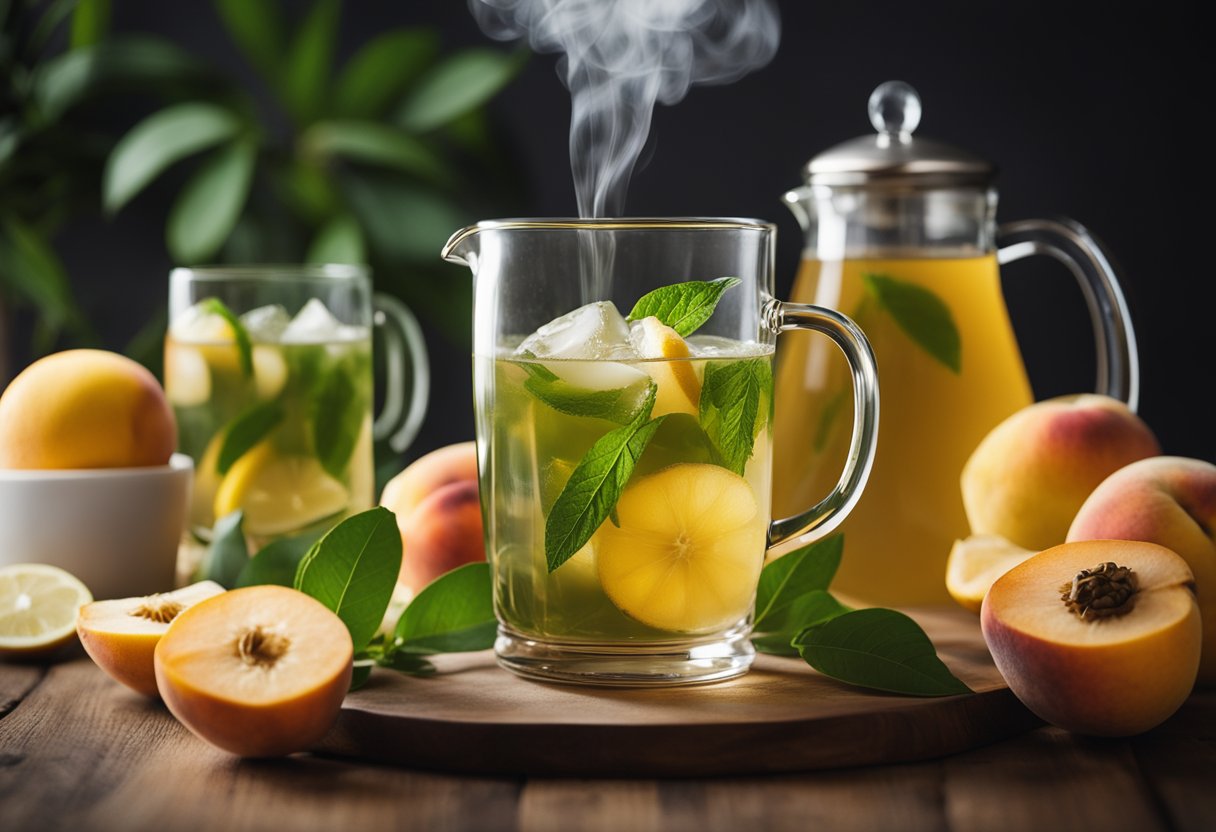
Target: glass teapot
{"type": "Point", "coordinates": [901, 236]}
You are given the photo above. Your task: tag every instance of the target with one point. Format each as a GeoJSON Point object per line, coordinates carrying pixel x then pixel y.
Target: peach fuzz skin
{"type": "Point", "coordinates": [1027, 478]}
{"type": "Point", "coordinates": [85, 409]}
{"type": "Point", "coordinates": [1170, 501]}
{"type": "Point", "coordinates": [444, 532]}
{"type": "Point", "coordinates": [1112, 677]}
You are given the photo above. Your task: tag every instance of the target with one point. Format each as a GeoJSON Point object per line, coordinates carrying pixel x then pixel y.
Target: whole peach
{"type": "Point", "coordinates": [426, 474]}
{"type": "Point", "coordinates": [85, 409]}
{"type": "Point", "coordinates": [1171, 501]}
{"type": "Point", "coordinates": [444, 532]}
{"type": "Point", "coordinates": [1030, 474]}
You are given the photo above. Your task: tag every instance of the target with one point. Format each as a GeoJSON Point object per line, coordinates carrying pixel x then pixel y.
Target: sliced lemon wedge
{"type": "Point", "coordinates": [677, 379]}
{"type": "Point", "coordinates": [38, 607]}
{"type": "Point", "coordinates": [279, 492]}
{"type": "Point", "coordinates": [688, 551]}
{"type": "Point", "coordinates": [976, 562]}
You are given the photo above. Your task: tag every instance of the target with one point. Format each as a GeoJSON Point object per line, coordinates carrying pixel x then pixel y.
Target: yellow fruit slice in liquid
{"type": "Point", "coordinates": [689, 549]}
{"type": "Point", "coordinates": [679, 385]}
{"type": "Point", "coordinates": [38, 607]}
{"type": "Point", "coordinates": [279, 493]}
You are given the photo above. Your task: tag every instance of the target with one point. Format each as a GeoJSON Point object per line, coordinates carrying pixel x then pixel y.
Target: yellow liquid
{"type": "Point", "coordinates": [899, 535]}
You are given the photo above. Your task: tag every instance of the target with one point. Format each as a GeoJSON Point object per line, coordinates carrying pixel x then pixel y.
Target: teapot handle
{"type": "Point", "coordinates": [1071, 244]}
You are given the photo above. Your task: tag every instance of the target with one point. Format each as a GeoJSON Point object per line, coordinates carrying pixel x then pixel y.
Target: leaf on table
{"type": "Point", "coordinates": [809, 610]}
{"type": "Point", "coordinates": [227, 555]}
{"type": "Point", "coordinates": [793, 575]}
{"type": "Point", "coordinates": [683, 306]}
{"type": "Point", "coordinates": [452, 614]}
{"type": "Point", "coordinates": [880, 649]}
{"type": "Point", "coordinates": [353, 569]}
{"type": "Point", "coordinates": [277, 562]}
{"type": "Point", "coordinates": [206, 210]}
{"type": "Point", "coordinates": [456, 85]}
{"type": "Point", "coordinates": [922, 316]}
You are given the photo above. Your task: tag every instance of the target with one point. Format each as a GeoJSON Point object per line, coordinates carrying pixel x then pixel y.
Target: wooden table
{"type": "Point", "coordinates": [79, 752]}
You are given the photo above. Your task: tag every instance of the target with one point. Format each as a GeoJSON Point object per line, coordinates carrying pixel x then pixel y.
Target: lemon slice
{"type": "Point", "coordinates": [677, 379]}
{"type": "Point", "coordinates": [689, 549]}
{"type": "Point", "coordinates": [279, 493]}
{"type": "Point", "coordinates": [38, 607]}
{"type": "Point", "coordinates": [976, 563]}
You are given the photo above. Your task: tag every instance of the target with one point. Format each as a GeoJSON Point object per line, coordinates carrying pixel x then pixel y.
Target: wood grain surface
{"type": "Point", "coordinates": [782, 716]}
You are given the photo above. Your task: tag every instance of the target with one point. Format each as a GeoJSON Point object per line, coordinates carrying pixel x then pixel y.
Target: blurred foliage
{"type": "Point", "coordinates": [374, 161]}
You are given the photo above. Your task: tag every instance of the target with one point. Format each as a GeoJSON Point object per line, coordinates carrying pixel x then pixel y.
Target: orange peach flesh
{"type": "Point", "coordinates": [1114, 676]}
{"type": "Point", "coordinates": [260, 671]}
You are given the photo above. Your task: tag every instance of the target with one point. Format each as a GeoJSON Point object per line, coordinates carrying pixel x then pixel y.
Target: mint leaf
{"type": "Point", "coordinates": [595, 485]}
{"type": "Point", "coordinates": [277, 562]}
{"type": "Point", "coordinates": [812, 609]}
{"type": "Point", "coordinates": [731, 395]}
{"type": "Point", "coordinates": [452, 614]}
{"type": "Point", "coordinates": [243, 345]}
{"type": "Point", "coordinates": [922, 315]}
{"type": "Point", "coordinates": [880, 649]}
{"type": "Point", "coordinates": [792, 576]}
{"type": "Point", "coordinates": [227, 554]}
{"type": "Point", "coordinates": [683, 306]}
{"type": "Point", "coordinates": [353, 569]}
{"type": "Point", "coordinates": [247, 430]}
{"type": "Point", "coordinates": [621, 405]}
{"type": "Point", "coordinates": [338, 411]}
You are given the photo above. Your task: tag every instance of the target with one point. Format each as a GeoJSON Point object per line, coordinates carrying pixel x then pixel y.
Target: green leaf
{"type": "Point", "coordinates": [207, 209]}
{"type": "Point", "coordinates": [382, 69]}
{"type": "Point", "coordinates": [247, 430]}
{"type": "Point", "coordinates": [360, 673]}
{"type": "Point", "coordinates": [160, 140]}
{"type": "Point", "coordinates": [405, 221]}
{"type": "Point", "coordinates": [793, 575]}
{"type": "Point", "coordinates": [227, 555]}
{"type": "Point", "coordinates": [89, 22]}
{"type": "Point", "coordinates": [403, 661]}
{"type": "Point", "coordinates": [277, 562]}
{"type": "Point", "coordinates": [460, 83]}
{"type": "Point", "coordinates": [338, 409]}
{"type": "Point", "coordinates": [922, 315]}
{"type": "Point", "coordinates": [452, 614]}
{"type": "Point", "coordinates": [732, 394]}
{"type": "Point", "coordinates": [257, 29]}
{"type": "Point", "coordinates": [339, 241]}
{"type": "Point", "coordinates": [353, 569]}
{"type": "Point", "coordinates": [809, 610]}
{"type": "Point", "coordinates": [244, 346]}
{"type": "Point", "coordinates": [29, 267]}
{"type": "Point", "coordinates": [880, 649]}
{"type": "Point", "coordinates": [375, 144]}
{"type": "Point", "coordinates": [595, 485]}
{"type": "Point", "coordinates": [683, 306]}
{"type": "Point", "coordinates": [308, 61]}
{"type": "Point", "coordinates": [621, 405]}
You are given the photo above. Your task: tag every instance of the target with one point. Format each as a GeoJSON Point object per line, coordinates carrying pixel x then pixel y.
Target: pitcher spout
{"type": "Point", "coordinates": [461, 248]}
{"type": "Point", "coordinates": [799, 202]}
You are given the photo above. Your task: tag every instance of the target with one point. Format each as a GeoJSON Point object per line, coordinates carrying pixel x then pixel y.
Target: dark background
{"type": "Point", "coordinates": [1092, 111]}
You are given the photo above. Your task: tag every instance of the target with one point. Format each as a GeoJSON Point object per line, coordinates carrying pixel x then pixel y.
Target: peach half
{"type": "Point", "coordinates": [1029, 475]}
{"type": "Point", "coordinates": [1100, 637]}
{"type": "Point", "coordinates": [1171, 501]}
{"type": "Point", "coordinates": [120, 635]}
{"type": "Point", "coordinates": [259, 672]}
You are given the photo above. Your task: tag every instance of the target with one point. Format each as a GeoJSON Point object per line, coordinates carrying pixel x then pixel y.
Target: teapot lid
{"type": "Point", "coordinates": [893, 156]}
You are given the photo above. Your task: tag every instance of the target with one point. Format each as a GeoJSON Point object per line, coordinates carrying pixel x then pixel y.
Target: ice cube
{"type": "Point", "coordinates": [314, 323]}
{"type": "Point", "coordinates": [595, 331]}
{"type": "Point", "coordinates": [266, 323]}
{"type": "Point", "coordinates": [199, 325]}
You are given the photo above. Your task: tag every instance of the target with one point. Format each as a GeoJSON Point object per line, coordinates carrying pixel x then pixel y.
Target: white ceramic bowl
{"type": "Point", "coordinates": [117, 529]}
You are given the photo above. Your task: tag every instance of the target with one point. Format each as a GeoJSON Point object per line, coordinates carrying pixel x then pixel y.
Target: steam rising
{"type": "Point", "coordinates": [620, 57]}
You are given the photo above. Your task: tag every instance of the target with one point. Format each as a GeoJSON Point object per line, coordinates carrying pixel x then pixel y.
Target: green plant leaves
{"type": "Point", "coordinates": [90, 20]}
{"type": "Point", "coordinates": [452, 614]}
{"type": "Point", "coordinates": [809, 610]}
{"type": "Point", "coordinates": [621, 405]}
{"type": "Point", "coordinates": [227, 555]}
{"type": "Point", "coordinates": [462, 82]}
{"type": "Point", "coordinates": [207, 209]}
{"type": "Point", "coordinates": [375, 144]}
{"type": "Point", "coordinates": [595, 485]}
{"type": "Point", "coordinates": [405, 221]}
{"type": "Point", "coordinates": [306, 66]}
{"type": "Point", "coordinates": [922, 315]}
{"type": "Point", "coordinates": [277, 562]}
{"type": "Point", "coordinates": [338, 241]}
{"type": "Point", "coordinates": [160, 140]}
{"type": "Point", "coordinates": [382, 69]}
{"type": "Point", "coordinates": [683, 306]}
{"type": "Point", "coordinates": [29, 267]}
{"type": "Point", "coordinates": [353, 569]}
{"type": "Point", "coordinates": [247, 430]}
{"type": "Point", "coordinates": [793, 575]}
{"type": "Point", "coordinates": [732, 393]}
{"type": "Point", "coordinates": [880, 649]}
{"type": "Point", "coordinates": [258, 31]}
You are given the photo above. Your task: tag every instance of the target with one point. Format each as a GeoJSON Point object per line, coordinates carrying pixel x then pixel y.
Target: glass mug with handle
{"type": "Point", "coordinates": [625, 462]}
{"type": "Point", "coordinates": [269, 371]}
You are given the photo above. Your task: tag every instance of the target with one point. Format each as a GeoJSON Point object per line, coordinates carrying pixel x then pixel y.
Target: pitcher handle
{"type": "Point", "coordinates": [831, 511]}
{"type": "Point", "coordinates": [1071, 244]}
{"type": "Point", "coordinates": [399, 419]}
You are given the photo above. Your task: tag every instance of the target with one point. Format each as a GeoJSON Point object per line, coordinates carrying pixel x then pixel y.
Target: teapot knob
{"type": "Point", "coordinates": [894, 109]}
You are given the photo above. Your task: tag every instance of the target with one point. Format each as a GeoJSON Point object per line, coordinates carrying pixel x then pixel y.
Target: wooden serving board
{"type": "Point", "coordinates": [475, 717]}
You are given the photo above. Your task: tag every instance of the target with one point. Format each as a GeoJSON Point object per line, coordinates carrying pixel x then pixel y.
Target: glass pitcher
{"type": "Point", "coordinates": [901, 236]}
{"type": "Point", "coordinates": [625, 466]}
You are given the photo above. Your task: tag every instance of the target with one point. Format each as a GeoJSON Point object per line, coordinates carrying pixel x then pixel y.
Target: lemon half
{"type": "Point", "coordinates": [279, 493]}
{"type": "Point", "coordinates": [689, 549]}
{"type": "Point", "coordinates": [38, 607]}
